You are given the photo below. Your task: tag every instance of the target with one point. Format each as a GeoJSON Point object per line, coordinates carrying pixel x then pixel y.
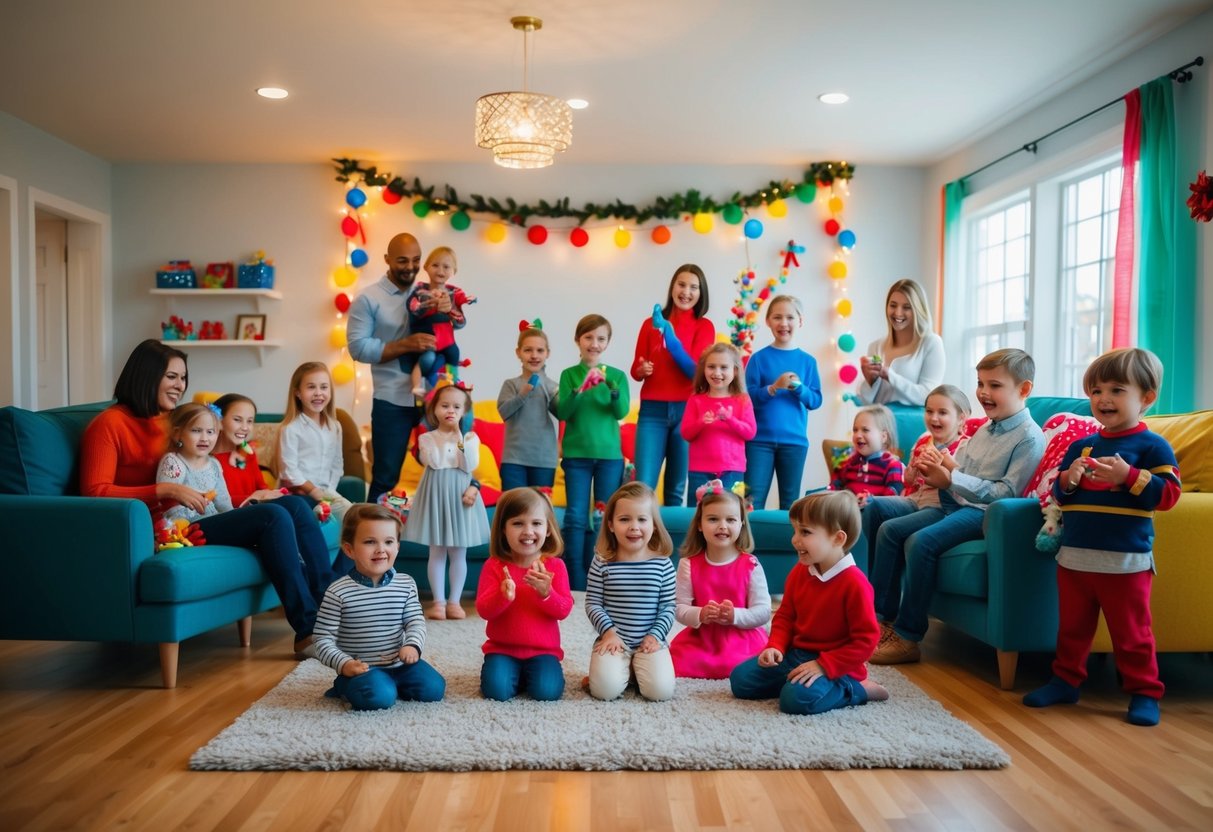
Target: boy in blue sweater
{"type": "Point", "coordinates": [784, 386]}
{"type": "Point", "coordinates": [1109, 485]}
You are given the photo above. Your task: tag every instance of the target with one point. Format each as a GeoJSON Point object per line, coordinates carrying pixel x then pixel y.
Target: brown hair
{"type": "Point", "coordinates": [431, 404]}
{"type": "Point", "coordinates": [138, 386]}
{"type": "Point", "coordinates": [589, 323]}
{"type": "Point", "coordinates": [607, 547]}
{"type": "Point", "coordinates": [737, 386]}
{"type": "Point", "coordinates": [701, 305]}
{"type": "Point", "coordinates": [1019, 365]}
{"type": "Point", "coordinates": [1130, 365]}
{"type": "Point", "coordinates": [294, 407]}
{"type": "Point", "coordinates": [830, 510]}
{"type": "Point", "coordinates": [184, 416]}
{"type": "Point", "coordinates": [883, 417]}
{"type": "Point", "coordinates": [228, 399]}
{"type": "Point", "coordinates": [365, 512]}
{"type": "Point", "coordinates": [518, 501]}
{"type": "Point", "coordinates": [694, 542]}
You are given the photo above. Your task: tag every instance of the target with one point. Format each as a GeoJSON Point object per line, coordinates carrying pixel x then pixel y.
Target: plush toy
{"type": "Point", "coordinates": [1048, 539]}
{"type": "Point", "coordinates": [323, 510]}
{"type": "Point", "coordinates": [177, 534]}
{"type": "Point", "coordinates": [397, 502]}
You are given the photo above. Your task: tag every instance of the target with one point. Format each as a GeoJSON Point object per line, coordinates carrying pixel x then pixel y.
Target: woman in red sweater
{"type": "Point", "coordinates": [667, 349]}
{"type": "Point", "coordinates": [121, 449]}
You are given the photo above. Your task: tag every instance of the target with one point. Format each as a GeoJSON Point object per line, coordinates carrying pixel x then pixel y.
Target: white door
{"type": "Point", "coordinates": [50, 245]}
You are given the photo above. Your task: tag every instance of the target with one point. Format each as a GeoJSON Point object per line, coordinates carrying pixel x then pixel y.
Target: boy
{"type": "Point", "coordinates": [1109, 486]}
{"type": "Point", "coordinates": [825, 628]}
{"type": "Point", "coordinates": [370, 627]}
{"type": "Point", "coordinates": [996, 463]}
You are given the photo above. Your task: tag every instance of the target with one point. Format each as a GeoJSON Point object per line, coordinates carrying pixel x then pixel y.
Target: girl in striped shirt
{"type": "Point", "coordinates": [629, 598]}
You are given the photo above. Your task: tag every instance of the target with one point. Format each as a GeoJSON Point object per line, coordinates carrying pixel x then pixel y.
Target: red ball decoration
{"type": "Point", "coordinates": [847, 373]}
{"type": "Point", "coordinates": [342, 302]}
{"type": "Point", "coordinates": [349, 226]}
{"type": "Point", "coordinates": [577, 237]}
{"type": "Point", "coordinates": [537, 234]}
{"type": "Point", "coordinates": [661, 235]}
{"type": "Point", "coordinates": [390, 196]}
{"type": "Point", "coordinates": [832, 227]}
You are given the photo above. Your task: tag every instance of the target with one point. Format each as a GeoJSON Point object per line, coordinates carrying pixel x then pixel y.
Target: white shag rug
{"type": "Point", "coordinates": [703, 727]}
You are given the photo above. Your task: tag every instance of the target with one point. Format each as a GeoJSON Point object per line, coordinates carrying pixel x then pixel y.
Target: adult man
{"type": "Point", "coordinates": [377, 332]}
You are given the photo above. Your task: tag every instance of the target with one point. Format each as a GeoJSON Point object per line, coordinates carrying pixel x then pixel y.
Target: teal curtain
{"type": "Point", "coordinates": [949, 245]}
{"type": "Point", "coordinates": [1166, 300]}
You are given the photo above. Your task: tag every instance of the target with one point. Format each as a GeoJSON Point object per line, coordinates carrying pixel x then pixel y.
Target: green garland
{"type": "Point", "coordinates": [663, 207]}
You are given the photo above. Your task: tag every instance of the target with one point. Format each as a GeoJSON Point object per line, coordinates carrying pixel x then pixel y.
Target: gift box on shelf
{"type": "Point", "coordinates": [257, 273]}
{"type": "Point", "coordinates": [176, 274]}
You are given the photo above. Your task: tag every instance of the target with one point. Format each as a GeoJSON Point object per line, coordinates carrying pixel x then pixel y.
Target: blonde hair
{"type": "Point", "coordinates": [1130, 365]}
{"type": "Point", "coordinates": [883, 417]}
{"type": "Point", "coordinates": [365, 513]}
{"type": "Point", "coordinates": [1018, 364]}
{"type": "Point", "coordinates": [918, 302]}
{"type": "Point", "coordinates": [607, 547]}
{"type": "Point", "coordinates": [792, 299]}
{"type": "Point", "coordinates": [695, 542]}
{"type": "Point", "coordinates": [830, 510]}
{"type": "Point", "coordinates": [185, 415]}
{"type": "Point", "coordinates": [518, 501]}
{"type": "Point", "coordinates": [737, 385]}
{"type": "Point", "coordinates": [533, 332]}
{"type": "Point", "coordinates": [294, 407]}
{"type": "Point", "coordinates": [438, 252]}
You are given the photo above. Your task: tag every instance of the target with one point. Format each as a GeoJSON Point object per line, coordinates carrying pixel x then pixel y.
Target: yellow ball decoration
{"type": "Point", "coordinates": [337, 336]}
{"type": "Point", "coordinates": [837, 270]}
{"type": "Point", "coordinates": [343, 373]}
{"type": "Point", "coordinates": [835, 204]}
{"type": "Point", "coordinates": [345, 276]}
{"type": "Point", "coordinates": [723, 338]}
{"type": "Point", "coordinates": [495, 233]}
{"type": "Point", "coordinates": [844, 307]}
{"type": "Point", "coordinates": [702, 222]}
{"type": "Point", "coordinates": [623, 237]}
{"type": "Point", "coordinates": [778, 208]}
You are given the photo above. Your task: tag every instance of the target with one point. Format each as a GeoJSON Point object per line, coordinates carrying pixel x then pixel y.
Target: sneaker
{"type": "Point", "coordinates": [305, 648]}
{"type": "Point", "coordinates": [886, 632]}
{"type": "Point", "coordinates": [1143, 710]}
{"type": "Point", "coordinates": [896, 650]}
{"type": "Point", "coordinates": [454, 610]}
{"type": "Point", "coordinates": [436, 611]}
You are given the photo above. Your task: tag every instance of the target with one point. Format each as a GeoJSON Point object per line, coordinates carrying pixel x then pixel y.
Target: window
{"type": "Point", "coordinates": [997, 307]}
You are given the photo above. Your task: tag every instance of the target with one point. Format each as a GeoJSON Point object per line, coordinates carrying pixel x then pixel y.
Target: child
{"type": "Point", "coordinates": [718, 421]}
{"type": "Point", "coordinates": [825, 629]}
{"type": "Point", "coordinates": [871, 470]}
{"type": "Point", "coordinates": [996, 463]}
{"type": "Point", "coordinates": [721, 595]}
{"type": "Point", "coordinates": [447, 513]}
{"type": "Point", "coordinates": [522, 597]}
{"type": "Point", "coordinates": [370, 628]}
{"type": "Point", "coordinates": [592, 399]}
{"type": "Point", "coordinates": [440, 266]}
{"type": "Point", "coordinates": [1109, 486]}
{"type": "Point", "coordinates": [527, 405]}
{"type": "Point", "coordinates": [309, 442]}
{"type": "Point", "coordinates": [193, 430]}
{"type": "Point", "coordinates": [629, 598]}
{"type": "Point", "coordinates": [784, 387]}
{"type": "Point", "coordinates": [667, 348]}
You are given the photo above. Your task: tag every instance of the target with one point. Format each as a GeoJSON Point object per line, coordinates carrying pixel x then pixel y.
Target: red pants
{"type": "Point", "coordinates": [1125, 601]}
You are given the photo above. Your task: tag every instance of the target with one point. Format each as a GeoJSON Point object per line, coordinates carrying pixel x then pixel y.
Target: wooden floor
{"type": "Point", "coordinates": [89, 741]}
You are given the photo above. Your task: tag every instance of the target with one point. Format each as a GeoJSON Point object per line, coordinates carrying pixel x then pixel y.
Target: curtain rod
{"type": "Point", "coordinates": [1179, 75]}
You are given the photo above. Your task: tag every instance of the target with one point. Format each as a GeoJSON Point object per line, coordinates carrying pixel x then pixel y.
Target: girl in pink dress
{"type": "Point", "coordinates": [721, 593]}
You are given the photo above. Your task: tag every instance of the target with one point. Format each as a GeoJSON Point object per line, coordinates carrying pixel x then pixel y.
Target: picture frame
{"type": "Point", "coordinates": [250, 327]}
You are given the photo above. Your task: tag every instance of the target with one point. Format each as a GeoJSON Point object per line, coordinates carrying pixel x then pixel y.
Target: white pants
{"type": "Point", "coordinates": [609, 673]}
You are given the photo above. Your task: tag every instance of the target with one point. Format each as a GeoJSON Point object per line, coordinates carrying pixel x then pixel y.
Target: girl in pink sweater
{"type": "Point", "coordinates": [522, 597]}
{"type": "Point", "coordinates": [718, 421]}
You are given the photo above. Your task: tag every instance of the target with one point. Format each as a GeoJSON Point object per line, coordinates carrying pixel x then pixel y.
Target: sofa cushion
{"type": "Point", "coordinates": [197, 573]}
{"type": "Point", "coordinates": [1191, 437]}
{"type": "Point", "coordinates": [38, 450]}
{"type": "Point", "coordinates": [1061, 431]}
{"type": "Point", "coordinates": [963, 570]}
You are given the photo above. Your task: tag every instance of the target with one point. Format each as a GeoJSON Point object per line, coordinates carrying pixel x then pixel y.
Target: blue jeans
{"type": "Point", "coordinates": [766, 459]}
{"type": "Point", "coordinates": [503, 677]}
{"type": "Point", "coordinates": [658, 438]}
{"type": "Point", "coordinates": [915, 542]}
{"type": "Point", "coordinates": [391, 426]}
{"type": "Point", "coordinates": [514, 475]}
{"type": "Point", "coordinates": [749, 681]}
{"type": "Point", "coordinates": [380, 687]}
{"type": "Point", "coordinates": [312, 546]}
{"type": "Point", "coordinates": [269, 530]}
{"type": "Point", "coordinates": [698, 478]}
{"type": "Point", "coordinates": [873, 516]}
{"type": "Point", "coordinates": [580, 473]}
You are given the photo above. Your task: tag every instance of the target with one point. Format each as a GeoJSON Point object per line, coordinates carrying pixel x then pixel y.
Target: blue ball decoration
{"type": "Point", "coordinates": [846, 342]}
{"type": "Point", "coordinates": [355, 197]}
{"type": "Point", "coordinates": [846, 238]}
{"type": "Point", "coordinates": [753, 229]}
{"type": "Point", "coordinates": [358, 258]}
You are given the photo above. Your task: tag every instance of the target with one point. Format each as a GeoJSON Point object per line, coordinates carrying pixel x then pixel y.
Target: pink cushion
{"type": "Point", "coordinates": [1061, 431]}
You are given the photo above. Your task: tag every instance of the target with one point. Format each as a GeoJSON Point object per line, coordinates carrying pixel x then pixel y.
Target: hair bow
{"type": "Point", "coordinates": [524, 325]}
{"type": "Point", "coordinates": [709, 487]}
{"type": "Point", "coordinates": [216, 411]}
{"type": "Point", "coordinates": [444, 380]}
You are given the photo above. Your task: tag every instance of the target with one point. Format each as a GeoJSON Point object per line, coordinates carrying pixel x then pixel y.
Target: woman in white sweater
{"type": "Point", "coordinates": [909, 362]}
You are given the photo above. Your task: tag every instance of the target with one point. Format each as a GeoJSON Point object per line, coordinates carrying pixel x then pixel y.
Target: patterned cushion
{"type": "Point", "coordinates": [1061, 431]}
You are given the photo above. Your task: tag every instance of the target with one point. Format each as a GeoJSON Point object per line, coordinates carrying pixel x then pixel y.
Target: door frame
{"type": "Point", "coordinates": [9, 300]}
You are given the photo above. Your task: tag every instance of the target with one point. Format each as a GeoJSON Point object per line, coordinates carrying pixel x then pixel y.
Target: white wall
{"type": "Point", "coordinates": [1153, 60]}
{"type": "Point", "coordinates": [215, 213]}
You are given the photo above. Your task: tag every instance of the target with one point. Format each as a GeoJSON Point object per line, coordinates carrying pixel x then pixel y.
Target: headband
{"type": "Point", "coordinates": [524, 325]}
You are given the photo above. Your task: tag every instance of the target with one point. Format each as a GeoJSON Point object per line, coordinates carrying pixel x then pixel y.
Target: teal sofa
{"type": "Point", "coordinates": [85, 569]}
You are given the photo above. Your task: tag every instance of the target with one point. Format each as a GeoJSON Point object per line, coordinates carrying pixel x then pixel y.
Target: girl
{"type": "Point", "coordinates": [527, 405]}
{"type": "Point", "coordinates": [448, 514]}
{"type": "Point", "coordinates": [666, 351]}
{"type": "Point", "coordinates": [718, 421]}
{"type": "Point", "coordinates": [592, 399]}
{"type": "Point", "coordinates": [784, 387]}
{"type": "Point", "coordinates": [630, 598]}
{"type": "Point", "coordinates": [309, 441]}
{"type": "Point", "coordinates": [522, 597]}
{"type": "Point", "coordinates": [722, 591]}
{"type": "Point", "coordinates": [871, 470]}
{"type": "Point", "coordinates": [424, 318]}
{"type": "Point", "coordinates": [193, 430]}
{"type": "Point", "coordinates": [910, 359]}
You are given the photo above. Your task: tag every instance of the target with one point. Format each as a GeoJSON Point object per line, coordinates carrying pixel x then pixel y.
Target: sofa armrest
{"type": "Point", "coordinates": [71, 565]}
{"type": "Point", "coordinates": [1022, 579]}
{"type": "Point", "coordinates": [352, 488]}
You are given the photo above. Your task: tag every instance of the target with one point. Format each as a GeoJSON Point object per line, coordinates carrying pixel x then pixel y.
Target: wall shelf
{"type": "Point", "coordinates": [272, 294]}
{"type": "Point", "coordinates": [189, 344]}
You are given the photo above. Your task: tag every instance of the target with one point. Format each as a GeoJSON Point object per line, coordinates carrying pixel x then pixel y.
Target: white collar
{"type": "Point", "coordinates": [846, 561]}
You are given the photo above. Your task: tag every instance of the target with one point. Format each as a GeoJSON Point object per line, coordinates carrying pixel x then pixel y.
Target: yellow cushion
{"type": "Point", "coordinates": [206, 396]}
{"type": "Point", "coordinates": [1191, 437]}
{"type": "Point", "coordinates": [486, 410]}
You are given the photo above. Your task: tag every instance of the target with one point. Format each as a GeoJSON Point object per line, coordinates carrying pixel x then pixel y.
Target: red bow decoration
{"type": "Point", "coordinates": [1201, 201]}
{"type": "Point", "coordinates": [524, 325]}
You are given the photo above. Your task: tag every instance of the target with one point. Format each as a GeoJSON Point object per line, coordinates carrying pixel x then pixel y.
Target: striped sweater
{"type": "Point", "coordinates": [634, 597]}
{"type": "Point", "coordinates": [369, 623]}
{"type": "Point", "coordinates": [879, 474]}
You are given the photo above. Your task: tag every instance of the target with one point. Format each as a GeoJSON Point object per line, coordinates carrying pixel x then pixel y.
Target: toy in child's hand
{"type": "Point", "coordinates": [1048, 539]}
{"type": "Point", "coordinates": [397, 502]}
{"type": "Point", "coordinates": [323, 510]}
{"type": "Point", "coordinates": [875, 358]}
{"type": "Point", "coordinates": [533, 380]}
{"type": "Point", "coordinates": [659, 321]}
{"type": "Point", "coordinates": [177, 534]}
{"type": "Point", "coordinates": [596, 376]}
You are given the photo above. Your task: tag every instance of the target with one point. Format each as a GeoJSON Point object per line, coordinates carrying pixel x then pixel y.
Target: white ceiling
{"type": "Point", "coordinates": [669, 81]}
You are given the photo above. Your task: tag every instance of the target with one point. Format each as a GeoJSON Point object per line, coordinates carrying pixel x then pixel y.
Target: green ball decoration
{"type": "Point", "coordinates": [806, 191]}
{"type": "Point", "coordinates": [732, 213]}
{"type": "Point", "coordinates": [846, 342]}
{"type": "Point", "coordinates": [421, 208]}
{"type": "Point", "coordinates": [460, 221]}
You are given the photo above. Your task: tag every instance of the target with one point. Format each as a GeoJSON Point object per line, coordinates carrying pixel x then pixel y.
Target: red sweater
{"type": "Point", "coordinates": [243, 480]}
{"type": "Point", "coordinates": [528, 626]}
{"type": "Point", "coordinates": [668, 383]}
{"type": "Point", "coordinates": [835, 619]}
{"type": "Point", "coordinates": [119, 453]}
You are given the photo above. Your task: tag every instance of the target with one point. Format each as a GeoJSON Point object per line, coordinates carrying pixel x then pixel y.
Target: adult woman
{"type": "Point", "coordinates": [119, 454]}
{"type": "Point", "coordinates": [911, 357]}
{"type": "Point", "coordinates": [666, 351]}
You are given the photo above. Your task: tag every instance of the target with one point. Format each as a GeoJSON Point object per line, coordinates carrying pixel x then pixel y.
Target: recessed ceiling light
{"type": "Point", "coordinates": [577, 103]}
{"type": "Point", "coordinates": [272, 92]}
{"type": "Point", "coordinates": [833, 98]}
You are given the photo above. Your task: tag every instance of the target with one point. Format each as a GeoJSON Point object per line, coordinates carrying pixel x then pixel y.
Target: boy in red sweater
{"type": "Point", "coordinates": [825, 630]}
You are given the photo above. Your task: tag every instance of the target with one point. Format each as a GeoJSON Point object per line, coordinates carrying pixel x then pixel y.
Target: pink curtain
{"type": "Point", "coordinates": [1122, 287]}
